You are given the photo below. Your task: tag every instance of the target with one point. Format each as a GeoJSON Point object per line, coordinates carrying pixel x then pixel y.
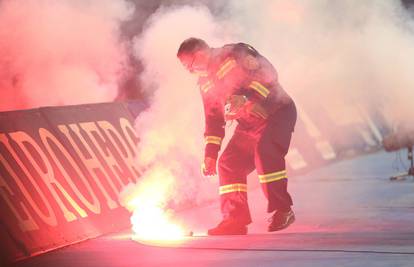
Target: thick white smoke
{"type": "Point", "coordinates": [57, 52]}
{"type": "Point", "coordinates": [171, 131]}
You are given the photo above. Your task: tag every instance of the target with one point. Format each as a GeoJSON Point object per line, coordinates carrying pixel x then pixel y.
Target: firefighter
{"type": "Point", "coordinates": [237, 83]}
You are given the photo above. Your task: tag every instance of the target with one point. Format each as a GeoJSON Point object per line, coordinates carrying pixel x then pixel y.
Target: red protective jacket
{"type": "Point", "coordinates": [237, 69]}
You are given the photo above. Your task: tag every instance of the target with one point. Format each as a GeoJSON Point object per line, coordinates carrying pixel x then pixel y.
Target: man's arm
{"type": "Point", "coordinates": [214, 130]}
{"type": "Point", "coordinates": [214, 126]}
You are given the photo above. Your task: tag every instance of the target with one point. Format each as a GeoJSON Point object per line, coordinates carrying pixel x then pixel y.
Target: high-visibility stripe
{"type": "Point", "coordinates": [213, 140]}
{"type": "Point", "coordinates": [260, 88]}
{"type": "Point", "coordinates": [232, 188]}
{"type": "Point", "coordinates": [206, 86]}
{"type": "Point", "coordinates": [227, 66]}
{"type": "Point", "coordinates": [271, 177]}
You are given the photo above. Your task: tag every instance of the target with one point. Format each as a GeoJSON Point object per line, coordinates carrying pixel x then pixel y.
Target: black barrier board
{"type": "Point", "coordinates": [61, 171]}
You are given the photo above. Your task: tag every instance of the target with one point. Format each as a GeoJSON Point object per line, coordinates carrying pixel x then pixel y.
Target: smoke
{"type": "Point", "coordinates": [336, 58]}
{"type": "Point", "coordinates": [58, 52]}
{"type": "Point", "coordinates": [171, 130]}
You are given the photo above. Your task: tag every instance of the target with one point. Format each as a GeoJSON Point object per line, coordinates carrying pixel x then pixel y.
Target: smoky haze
{"type": "Point", "coordinates": [339, 59]}
{"type": "Point", "coordinates": [354, 52]}
{"type": "Point", "coordinates": [336, 59]}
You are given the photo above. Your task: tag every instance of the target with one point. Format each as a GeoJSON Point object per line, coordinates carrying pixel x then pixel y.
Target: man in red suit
{"type": "Point", "coordinates": [238, 83]}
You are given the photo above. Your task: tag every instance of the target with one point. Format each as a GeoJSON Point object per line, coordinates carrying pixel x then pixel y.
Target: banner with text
{"type": "Point", "coordinates": [61, 170]}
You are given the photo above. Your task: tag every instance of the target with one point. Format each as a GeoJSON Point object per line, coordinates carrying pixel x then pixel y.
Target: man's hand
{"type": "Point", "coordinates": [208, 168]}
{"type": "Point", "coordinates": [256, 110]}
{"type": "Point", "coordinates": [234, 108]}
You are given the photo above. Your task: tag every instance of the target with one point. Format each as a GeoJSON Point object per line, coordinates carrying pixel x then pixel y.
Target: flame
{"type": "Point", "coordinates": [154, 223]}
{"type": "Point", "coordinates": [150, 219]}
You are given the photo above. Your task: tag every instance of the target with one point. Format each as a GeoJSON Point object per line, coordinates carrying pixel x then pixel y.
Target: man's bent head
{"type": "Point", "coordinates": [193, 54]}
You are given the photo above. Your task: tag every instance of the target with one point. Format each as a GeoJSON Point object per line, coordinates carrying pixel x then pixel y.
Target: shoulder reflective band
{"type": "Point", "coordinates": [233, 188]}
{"type": "Point", "coordinates": [271, 177]}
{"type": "Point", "coordinates": [260, 88]}
{"type": "Point", "coordinates": [213, 140]}
{"type": "Point", "coordinates": [206, 86]}
{"type": "Point", "coordinates": [227, 66]}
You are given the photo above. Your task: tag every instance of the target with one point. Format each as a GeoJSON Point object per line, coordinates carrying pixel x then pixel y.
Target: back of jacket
{"type": "Point", "coordinates": [238, 69]}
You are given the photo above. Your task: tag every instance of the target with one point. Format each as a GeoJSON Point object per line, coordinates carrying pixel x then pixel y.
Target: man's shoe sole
{"type": "Point", "coordinates": [289, 222]}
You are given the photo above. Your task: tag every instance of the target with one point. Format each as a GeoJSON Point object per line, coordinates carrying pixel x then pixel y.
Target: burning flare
{"type": "Point", "coordinates": [154, 223]}
{"type": "Point", "coordinates": [151, 220]}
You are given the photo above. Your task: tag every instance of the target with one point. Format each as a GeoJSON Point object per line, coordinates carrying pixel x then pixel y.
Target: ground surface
{"type": "Point", "coordinates": [348, 214]}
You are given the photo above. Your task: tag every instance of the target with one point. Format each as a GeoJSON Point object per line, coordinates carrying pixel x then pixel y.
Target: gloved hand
{"type": "Point", "coordinates": [257, 110]}
{"type": "Point", "coordinates": [208, 168]}
{"type": "Point", "coordinates": [234, 108]}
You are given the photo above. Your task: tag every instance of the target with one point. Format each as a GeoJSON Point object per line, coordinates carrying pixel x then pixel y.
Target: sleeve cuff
{"type": "Point", "coordinates": [212, 150]}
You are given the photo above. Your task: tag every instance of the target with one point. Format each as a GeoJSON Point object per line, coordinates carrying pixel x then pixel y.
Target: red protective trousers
{"type": "Point", "coordinates": [264, 149]}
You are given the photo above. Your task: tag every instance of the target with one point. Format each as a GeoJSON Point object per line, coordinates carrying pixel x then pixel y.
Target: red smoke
{"type": "Point", "coordinates": [60, 52]}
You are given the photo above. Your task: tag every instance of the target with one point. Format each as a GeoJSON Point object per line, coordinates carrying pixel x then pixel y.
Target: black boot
{"type": "Point", "coordinates": [228, 227]}
{"type": "Point", "coordinates": [280, 220]}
